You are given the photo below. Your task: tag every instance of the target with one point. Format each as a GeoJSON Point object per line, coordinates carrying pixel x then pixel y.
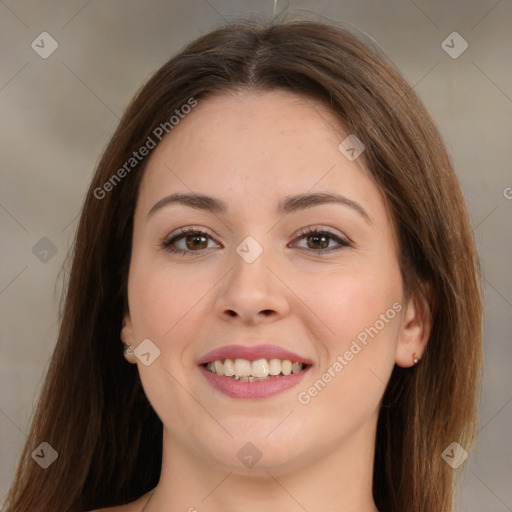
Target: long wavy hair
{"type": "Point", "coordinates": [92, 409]}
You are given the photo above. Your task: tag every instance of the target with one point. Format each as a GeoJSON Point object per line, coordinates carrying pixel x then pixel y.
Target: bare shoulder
{"type": "Point", "coordinates": [134, 506]}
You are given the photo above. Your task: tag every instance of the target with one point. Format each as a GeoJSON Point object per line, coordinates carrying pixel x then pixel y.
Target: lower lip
{"type": "Point", "coordinates": [256, 389]}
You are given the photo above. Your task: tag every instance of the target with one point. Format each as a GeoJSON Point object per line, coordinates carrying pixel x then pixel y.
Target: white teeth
{"type": "Point", "coordinates": [219, 367]}
{"type": "Point", "coordinates": [229, 368]}
{"type": "Point", "coordinates": [242, 368]}
{"type": "Point", "coordinates": [286, 367]}
{"type": "Point", "coordinates": [260, 369]}
{"type": "Point", "coordinates": [274, 367]}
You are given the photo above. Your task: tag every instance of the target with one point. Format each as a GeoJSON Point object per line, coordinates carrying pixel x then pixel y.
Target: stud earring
{"type": "Point", "coordinates": [415, 359]}
{"type": "Point", "coordinates": [127, 349]}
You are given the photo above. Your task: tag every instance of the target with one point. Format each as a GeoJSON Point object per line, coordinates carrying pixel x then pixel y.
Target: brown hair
{"type": "Point", "coordinates": [92, 408]}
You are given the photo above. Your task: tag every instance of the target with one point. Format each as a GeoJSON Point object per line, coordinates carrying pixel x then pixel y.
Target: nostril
{"type": "Point", "coordinates": [265, 312]}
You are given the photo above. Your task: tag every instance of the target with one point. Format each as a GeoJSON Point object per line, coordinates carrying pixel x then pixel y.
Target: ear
{"type": "Point", "coordinates": [127, 338]}
{"type": "Point", "coordinates": [416, 327]}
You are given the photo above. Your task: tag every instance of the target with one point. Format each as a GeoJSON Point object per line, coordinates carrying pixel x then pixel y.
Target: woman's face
{"type": "Point", "coordinates": [250, 283]}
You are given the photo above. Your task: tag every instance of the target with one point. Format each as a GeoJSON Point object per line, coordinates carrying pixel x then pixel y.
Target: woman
{"type": "Point", "coordinates": [277, 243]}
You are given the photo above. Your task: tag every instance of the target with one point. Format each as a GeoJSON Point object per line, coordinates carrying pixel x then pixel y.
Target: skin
{"type": "Point", "coordinates": [251, 150]}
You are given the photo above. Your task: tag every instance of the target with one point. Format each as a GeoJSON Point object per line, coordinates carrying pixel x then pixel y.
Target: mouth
{"type": "Point", "coordinates": [258, 370]}
{"type": "Point", "coordinates": [253, 371]}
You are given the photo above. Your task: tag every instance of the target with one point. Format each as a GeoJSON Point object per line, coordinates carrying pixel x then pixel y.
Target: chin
{"type": "Point", "coordinates": [257, 455]}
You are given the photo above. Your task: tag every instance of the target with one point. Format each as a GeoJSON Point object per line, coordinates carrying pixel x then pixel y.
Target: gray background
{"type": "Point", "coordinates": [58, 113]}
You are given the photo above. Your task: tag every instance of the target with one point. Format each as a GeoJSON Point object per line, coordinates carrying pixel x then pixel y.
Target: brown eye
{"type": "Point", "coordinates": [321, 241]}
{"type": "Point", "coordinates": [187, 241]}
{"type": "Point", "coordinates": [317, 241]}
{"type": "Point", "coordinates": [196, 242]}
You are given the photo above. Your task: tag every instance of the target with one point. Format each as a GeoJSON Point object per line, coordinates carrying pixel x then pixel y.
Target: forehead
{"type": "Point", "coordinates": [255, 146]}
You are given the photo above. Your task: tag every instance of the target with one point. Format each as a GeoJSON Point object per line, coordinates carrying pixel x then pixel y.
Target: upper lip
{"type": "Point", "coordinates": [251, 353]}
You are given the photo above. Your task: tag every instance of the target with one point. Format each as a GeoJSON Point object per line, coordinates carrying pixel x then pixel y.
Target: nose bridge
{"type": "Point", "coordinates": [251, 290]}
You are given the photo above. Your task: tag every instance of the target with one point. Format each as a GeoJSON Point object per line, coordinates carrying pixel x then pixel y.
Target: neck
{"type": "Point", "coordinates": [337, 480]}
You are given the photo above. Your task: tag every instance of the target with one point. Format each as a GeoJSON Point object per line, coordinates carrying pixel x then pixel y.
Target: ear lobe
{"type": "Point", "coordinates": [127, 338]}
{"type": "Point", "coordinates": [415, 329]}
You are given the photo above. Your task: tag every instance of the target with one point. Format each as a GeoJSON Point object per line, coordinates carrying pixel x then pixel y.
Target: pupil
{"type": "Point", "coordinates": [195, 238]}
{"type": "Point", "coordinates": [324, 243]}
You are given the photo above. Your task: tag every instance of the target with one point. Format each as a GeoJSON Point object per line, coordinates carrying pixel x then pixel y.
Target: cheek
{"type": "Point", "coordinates": [361, 312]}
{"type": "Point", "coordinates": [350, 300]}
{"type": "Point", "coordinates": [161, 298]}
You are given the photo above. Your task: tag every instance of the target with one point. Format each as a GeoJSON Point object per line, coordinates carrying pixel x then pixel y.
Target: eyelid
{"type": "Point", "coordinates": [181, 233]}
{"type": "Point", "coordinates": [320, 229]}
{"type": "Point", "coordinates": [188, 230]}
{"type": "Point", "coordinates": [342, 240]}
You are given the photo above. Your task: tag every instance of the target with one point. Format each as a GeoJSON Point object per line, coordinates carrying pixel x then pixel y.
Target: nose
{"type": "Point", "coordinates": [252, 293]}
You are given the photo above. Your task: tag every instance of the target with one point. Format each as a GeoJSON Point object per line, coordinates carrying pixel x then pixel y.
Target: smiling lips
{"type": "Point", "coordinates": [249, 371]}
{"type": "Point", "coordinates": [252, 372]}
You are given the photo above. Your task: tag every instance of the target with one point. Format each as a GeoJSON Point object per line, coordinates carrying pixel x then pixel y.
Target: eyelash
{"type": "Point", "coordinates": [184, 232]}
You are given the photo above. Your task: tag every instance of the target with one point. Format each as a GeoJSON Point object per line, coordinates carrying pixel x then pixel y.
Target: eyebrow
{"type": "Point", "coordinates": [288, 205]}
